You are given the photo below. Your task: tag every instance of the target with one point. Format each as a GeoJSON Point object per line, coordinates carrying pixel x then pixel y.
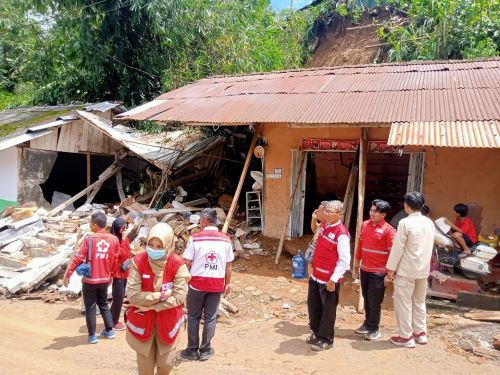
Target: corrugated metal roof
{"type": "Point", "coordinates": [477, 134]}
{"type": "Point", "coordinates": [166, 151]}
{"type": "Point", "coordinates": [14, 141]}
{"type": "Point", "coordinates": [385, 93]}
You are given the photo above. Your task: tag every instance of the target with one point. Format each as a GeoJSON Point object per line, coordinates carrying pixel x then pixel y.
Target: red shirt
{"type": "Point", "coordinates": [123, 255]}
{"type": "Point", "coordinates": [375, 242]}
{"type": "Point", "coordinates": [105, 249]}
{"type": "Point", "coordinates": [467, 227]}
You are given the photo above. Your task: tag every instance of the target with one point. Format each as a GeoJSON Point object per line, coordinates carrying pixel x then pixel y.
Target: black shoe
{"type": "Point", "coordinates": [363, 330]}
{"type": "Point", "coordinates": [190, 354]}
{"type": "Point", "coordinates": [312, 339]}
{"type": "Point", "coordinates": [206, 354]}
{"type": "Point", "coordinates": [321, 345]}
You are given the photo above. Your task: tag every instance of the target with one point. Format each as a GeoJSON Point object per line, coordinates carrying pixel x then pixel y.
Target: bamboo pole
{"type": "Point", "coordinates": [289, 207]}
{"type": "Point", "coordinates": [363, 146]}
{"type": "Point", "coordinates": [242, 180]}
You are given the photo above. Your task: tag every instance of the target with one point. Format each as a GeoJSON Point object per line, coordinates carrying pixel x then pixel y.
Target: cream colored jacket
{"type": "Point", "coordinates": [412, 247]}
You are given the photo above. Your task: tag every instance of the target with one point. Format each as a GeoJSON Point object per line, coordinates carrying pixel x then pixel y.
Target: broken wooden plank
{"type": "Point", "coordinates": [22, 214]}
{"type": "Point", "coordinates": [119, 185]}
{"type": "Point", "coordinates": [488, 316]}
{"type": "Point", "coordinates": [109, 172]}
{"type": "Point", "coordinates": [197, 202]}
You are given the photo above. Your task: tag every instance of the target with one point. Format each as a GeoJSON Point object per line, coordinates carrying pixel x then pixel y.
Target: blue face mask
{"type": "Point", "coordinates": [155, 254]}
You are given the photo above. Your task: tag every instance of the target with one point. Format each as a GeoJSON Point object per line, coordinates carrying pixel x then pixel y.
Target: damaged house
{"type": "Point", "coordinates": [78, 158]}
{"type": "Point", "coordinates": [358, 133]}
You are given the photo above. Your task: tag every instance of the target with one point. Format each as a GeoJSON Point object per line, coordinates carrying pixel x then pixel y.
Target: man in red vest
{"type": "Point", "coordinates": [374, 246]}
{"type": "Point", "coordinates": [331, 260]}
{"type": "Point", "coordinates": [209, 257]}
{"type": "Point", "coordinates": [105, 248]}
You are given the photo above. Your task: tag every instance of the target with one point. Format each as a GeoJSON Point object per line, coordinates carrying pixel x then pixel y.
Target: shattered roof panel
{"type": "Point", "coordinates": [385, 93]}
{"type": "Point", "coordinates": [14, 122]}
{"type": "Point", "coordinates": [162, 150]}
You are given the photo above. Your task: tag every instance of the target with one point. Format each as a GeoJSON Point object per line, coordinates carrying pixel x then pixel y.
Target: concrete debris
{"type": "Point", "coordinates": [36, 245]}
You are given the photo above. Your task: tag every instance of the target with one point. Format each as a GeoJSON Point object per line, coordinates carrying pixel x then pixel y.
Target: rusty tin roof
{"type": "Point", "coordinates": [364, 95]}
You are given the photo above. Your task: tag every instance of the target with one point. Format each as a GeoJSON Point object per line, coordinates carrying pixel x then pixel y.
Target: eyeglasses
{"type": "Point", "coordinates": [331, 212]}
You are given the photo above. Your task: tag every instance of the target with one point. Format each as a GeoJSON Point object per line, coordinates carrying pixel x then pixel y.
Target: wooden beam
{"type": "Point", "coordinates": [290, 204]}
{"type": "Point", "coordinates": [119, 186]}
{"type": "Point", "coordinates": [109, 172]}
{"type": "Point", "coordinates": [89, 175]}
{"type": "Point", "coordinates": [363, 146]}
{"type": "Point", "coordinates": [242, 180]}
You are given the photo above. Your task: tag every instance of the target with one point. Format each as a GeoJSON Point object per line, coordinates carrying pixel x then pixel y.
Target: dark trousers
{"type": "Point", "coordinates": [199, 302]}
{"type": "Point", "coordinates": [322, 308]}
{"type": "Point", "coordinates": [119, 287]}
{"type": "Point", "coordinates": [96, 294]}
{"type": "Point", "coordinates": [372, 288]}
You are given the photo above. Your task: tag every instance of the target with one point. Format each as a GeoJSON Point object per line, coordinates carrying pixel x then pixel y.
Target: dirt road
{"type": "Point", "coordinates": [38, 338]}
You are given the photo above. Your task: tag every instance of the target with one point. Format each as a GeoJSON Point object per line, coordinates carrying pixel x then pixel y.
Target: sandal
{"type": "Point", "coordinates": [321, 345]}
{"type": "Point", "coordinates": [312, 339]}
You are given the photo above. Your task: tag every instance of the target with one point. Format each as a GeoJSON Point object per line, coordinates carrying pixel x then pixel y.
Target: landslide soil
{"type": "Point", "coordinates": [262, 338]}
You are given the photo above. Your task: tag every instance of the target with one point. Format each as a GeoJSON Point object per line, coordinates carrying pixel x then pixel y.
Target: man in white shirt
{"type": "Point", "coordinates": [331, 260]}
{"type": "Point", "coordinates": [408, 268]}
{"type": "Point", "coordinates": [209, 256]}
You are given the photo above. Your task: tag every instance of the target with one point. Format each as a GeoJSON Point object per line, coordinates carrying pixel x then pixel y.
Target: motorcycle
{"type": "Point", "coordinates": [449, 256]}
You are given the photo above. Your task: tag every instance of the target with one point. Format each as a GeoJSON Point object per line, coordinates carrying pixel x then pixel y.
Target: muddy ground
{"type": "Point", "coordinates": [263, 338]}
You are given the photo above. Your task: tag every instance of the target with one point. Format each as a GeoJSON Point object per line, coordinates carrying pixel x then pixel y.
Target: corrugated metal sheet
{"type": "Point", "coordinates": [477, 134]}
{"type": "Point", "coordinates": [172, 154]}
{"type": "Point", "coordinates": [11, 142]}
{"type": "Point", "coordinates": [386, 93]}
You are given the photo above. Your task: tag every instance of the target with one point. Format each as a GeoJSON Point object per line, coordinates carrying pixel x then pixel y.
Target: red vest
{"type": "Point", "coordinates": [325, 254]}
{"type": "Point", "coordinates": [169, 321]}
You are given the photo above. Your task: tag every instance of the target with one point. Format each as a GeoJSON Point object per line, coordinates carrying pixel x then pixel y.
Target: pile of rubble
{"type": "Point", "coordinates": [35, 246]}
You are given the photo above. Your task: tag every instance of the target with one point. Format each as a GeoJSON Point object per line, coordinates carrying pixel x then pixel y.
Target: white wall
{"type": "Point", "coordinates": [8, 174]}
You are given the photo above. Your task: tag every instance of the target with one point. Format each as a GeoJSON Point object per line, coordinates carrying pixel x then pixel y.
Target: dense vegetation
{"type": "Point", "coordinates": [131, 50]}
{"type": "Point", "coordinates": [58, 51]}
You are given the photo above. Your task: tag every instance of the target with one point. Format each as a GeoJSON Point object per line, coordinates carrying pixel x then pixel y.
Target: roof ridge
{"type": "Point", "coordinates": [361, 66]}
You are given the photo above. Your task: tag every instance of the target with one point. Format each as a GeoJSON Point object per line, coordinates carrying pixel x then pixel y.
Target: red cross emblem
{"type": "Point", "coordinates": [212, 257]}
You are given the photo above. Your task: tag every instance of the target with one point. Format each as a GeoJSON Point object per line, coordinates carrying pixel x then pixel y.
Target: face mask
{"type": "Point", "coordinates": [155, 254]}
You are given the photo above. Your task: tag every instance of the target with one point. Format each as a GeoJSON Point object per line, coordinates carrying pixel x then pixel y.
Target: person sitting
{"type": "Point", "coordinates": [463, 230]}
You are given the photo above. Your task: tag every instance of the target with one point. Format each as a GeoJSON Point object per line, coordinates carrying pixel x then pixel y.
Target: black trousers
{"type": "Point", "coordinates": [322, 308]}
{"type": "Point", "coordinates": [96, 294]}
{"type": "Point", "coordinates": [119, 287]}
{"type": "Point", "coordinates": [199, 302]}
{"type": "Point", "coordinates": [372, 288]}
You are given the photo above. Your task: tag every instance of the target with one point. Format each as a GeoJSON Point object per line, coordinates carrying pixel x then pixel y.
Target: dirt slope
{"type": "Point", "coordinates": [341, 45]}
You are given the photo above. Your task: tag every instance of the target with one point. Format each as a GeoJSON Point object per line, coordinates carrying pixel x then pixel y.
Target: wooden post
{"type": "Point", "coordinates": [363, 146]}
{"type": "Point", "coordinates": [102, 178]}
{"type": "Point", "coordinates": [349, 195]}
{"type": "Point", "coordinates": [89, 176]}
{"type": "Point", "coordinates": [289, 208]}
{"type": "Point", "coordinates": [242, 180]}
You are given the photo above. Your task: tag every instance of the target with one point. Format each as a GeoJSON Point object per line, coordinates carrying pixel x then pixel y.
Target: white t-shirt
{"type": "Point", "coordinates": [209, 251]}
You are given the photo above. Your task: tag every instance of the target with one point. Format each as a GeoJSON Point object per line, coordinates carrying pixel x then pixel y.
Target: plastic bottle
{"type": "Point", "coordinates": [299, 266]}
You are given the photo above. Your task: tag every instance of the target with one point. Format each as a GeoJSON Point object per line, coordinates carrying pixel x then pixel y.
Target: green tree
{"type": "Point", "coordinates": [447, 29]}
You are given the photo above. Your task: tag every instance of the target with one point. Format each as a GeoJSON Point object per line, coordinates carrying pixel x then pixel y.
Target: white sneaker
{"type": "Point", "coordinates": [400, 341]}
{"type": "Point", "coordinates": [421, 338]}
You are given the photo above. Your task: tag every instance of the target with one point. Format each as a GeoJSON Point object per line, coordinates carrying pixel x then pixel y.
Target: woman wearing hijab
{"type": "Point", "coordinates": [158, 283]}
{"type": "Point", "coordinates": [120, 275]}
